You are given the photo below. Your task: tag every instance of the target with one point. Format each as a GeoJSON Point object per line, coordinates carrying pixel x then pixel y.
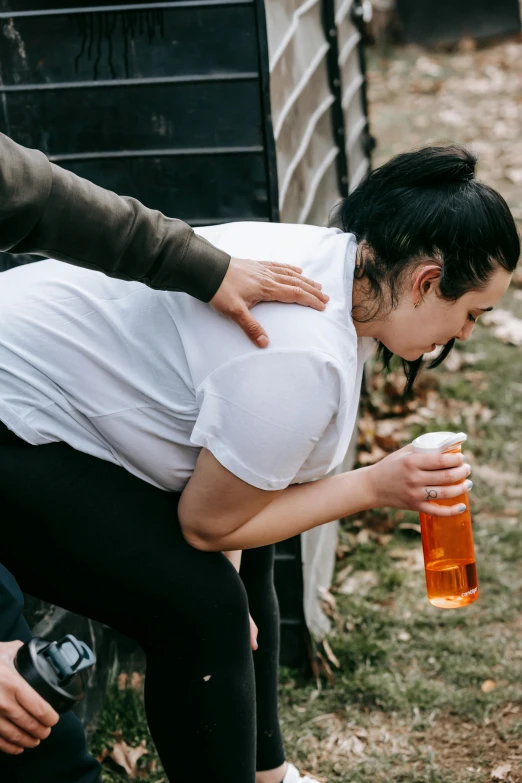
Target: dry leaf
{"type": "Point", "coordinates": [428, 67]}
{"type": "Point", "coordinates": [501, 772]}
{"type": "Point", "coordinates": [386, 442]}
{"type": "Point", "coordinates": [103, 755]}
{"type": "Point", "coordinates": [505, 326]}
{"type": "Point", "coordinates": [327, 600]}
{"type": "Point", "coordinates": [488, 686]}
{"type": "Point", "coordinates": [330, 654]}
{"type": "Point", "coordinates": [409, 559]}
{"type": "Point", "coordinates": [314, 776]}
{"type": "Point", "coordinates": [410, 526]}
{"type": "Point", "coordinates": [360, 583]}
{"type": "Point", "coordinates": [343, 573]}
{"type": "Point", "coordinates": [324, 667]}
{"type": "Point", "coordinates": [136, 682]}
{"type": "Point", "coordinates": [467, 44]}
{"type": "Point", "coordinates": [453, 117]}
{"type": "Point", "coordinates": [493, 477]}
{"type": "Point", "coordinates": [128, 757]}
{"type": "Point", "coordinates": [364, 458]}
{"type": "Point", "coordinates": [515, 175]}
{"type": "Point", "coordinates": [363, 537]}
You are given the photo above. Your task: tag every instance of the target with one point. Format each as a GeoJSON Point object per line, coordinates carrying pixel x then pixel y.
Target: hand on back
{"type": "Point", "coordinates": [247, 283]}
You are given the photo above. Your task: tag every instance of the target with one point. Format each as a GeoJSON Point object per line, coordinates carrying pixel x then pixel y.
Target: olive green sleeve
{"type": "Point", "coordinates": [48, 210]}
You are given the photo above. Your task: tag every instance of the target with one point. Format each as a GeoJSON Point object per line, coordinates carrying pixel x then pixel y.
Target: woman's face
{"type": "Point", "coordinates": [410, 332]}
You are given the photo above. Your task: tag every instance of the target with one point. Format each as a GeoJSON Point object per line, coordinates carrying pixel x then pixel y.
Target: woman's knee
{"type": "Point", "coordinates": [210, 603]}
{"type": "Point", "coordinates": [222, 603]}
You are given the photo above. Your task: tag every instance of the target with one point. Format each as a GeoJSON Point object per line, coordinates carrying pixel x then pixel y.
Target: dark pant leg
{"type": "Point", "coordinates": [257, 573]}
{"type": "Point", "coordinates": [62, 757]}
{"type": "Point", "coordinates": [90, 537]}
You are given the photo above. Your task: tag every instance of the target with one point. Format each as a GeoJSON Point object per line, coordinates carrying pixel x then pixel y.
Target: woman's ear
{"type": "Point", "coordinates": [424, 281]}
{"type": "Point", "coordinates": [361, 255]}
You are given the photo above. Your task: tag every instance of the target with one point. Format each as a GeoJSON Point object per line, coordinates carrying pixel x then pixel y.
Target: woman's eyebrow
{"type": "Point", "coordinates": [485, 309]}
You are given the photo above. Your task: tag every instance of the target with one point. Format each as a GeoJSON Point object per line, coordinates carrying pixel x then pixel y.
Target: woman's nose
{"type": "Point", "coordinates": [465, 332]}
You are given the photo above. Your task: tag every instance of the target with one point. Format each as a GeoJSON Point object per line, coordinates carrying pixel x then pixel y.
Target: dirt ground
{"type": "Point", "coordinates": [473, 97]}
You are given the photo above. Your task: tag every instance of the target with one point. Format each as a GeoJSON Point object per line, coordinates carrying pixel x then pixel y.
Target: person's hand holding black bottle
{"type": "Point", "coordinates": [25, 718]}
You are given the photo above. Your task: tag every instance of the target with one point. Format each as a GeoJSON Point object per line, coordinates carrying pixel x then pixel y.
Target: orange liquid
{"type": "Point", "coordinates": [449, 557]}
{"type": "Point", "coordinates": [452, 584]}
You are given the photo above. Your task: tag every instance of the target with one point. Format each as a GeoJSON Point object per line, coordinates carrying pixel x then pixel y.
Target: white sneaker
{"type": "Point", "coordinates": [293, 776]}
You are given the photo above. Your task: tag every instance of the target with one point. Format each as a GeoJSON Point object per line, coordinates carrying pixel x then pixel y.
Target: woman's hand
{"type": "Point", "coordinates": [235, 558]}
{"type": "Point", "coordinates": [247, 283]}
{"type": "Point", "coordinates": [25, 718]}
{"type": "Point", "coordinates": [253, 633]}
{"type": "Point", "coordinates": [408, 480]}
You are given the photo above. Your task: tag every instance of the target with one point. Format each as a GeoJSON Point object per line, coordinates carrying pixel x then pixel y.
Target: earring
{"type": "Point", "coordinates": [416, 304]}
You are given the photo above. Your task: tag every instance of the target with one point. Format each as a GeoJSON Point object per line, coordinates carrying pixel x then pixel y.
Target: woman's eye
{"type": "Point", "coordinates": [472, 318]}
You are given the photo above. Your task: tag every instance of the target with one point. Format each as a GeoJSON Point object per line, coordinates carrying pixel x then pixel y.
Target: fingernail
{"type": "Point", "coordinates": [469, 484]}
{"type": "Point", "coordinates": [256, 644]}
{"type": "Point", "coordinates": [262, 341]}
{"type": "Point", "coordinates": [464, 458]}
{"type": "Point", "coordinates": [462, 507]}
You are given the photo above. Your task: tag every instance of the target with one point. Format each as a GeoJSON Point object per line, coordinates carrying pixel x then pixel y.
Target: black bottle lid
{"type": "Point", "coordinates": [54, 669]}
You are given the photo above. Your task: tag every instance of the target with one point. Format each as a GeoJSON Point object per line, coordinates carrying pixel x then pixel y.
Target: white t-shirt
{"type": "Point", "coordinates": [145, 378]}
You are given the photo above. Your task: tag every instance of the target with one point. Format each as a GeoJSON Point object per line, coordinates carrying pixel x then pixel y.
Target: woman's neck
{"type": "Point", "coordinates": [363, 306]}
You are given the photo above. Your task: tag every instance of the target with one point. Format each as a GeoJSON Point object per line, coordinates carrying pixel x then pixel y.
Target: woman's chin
{"type": "Point", "coordinates": [415, 354]}
{"type": "Point", "coordinates": [412, 355]}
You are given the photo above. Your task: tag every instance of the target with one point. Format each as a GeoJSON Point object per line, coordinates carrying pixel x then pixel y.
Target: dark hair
{"type": "Point", "coordinates": [427, 203]}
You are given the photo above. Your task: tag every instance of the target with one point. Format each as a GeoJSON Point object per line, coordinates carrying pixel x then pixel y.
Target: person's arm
{"type": "Point", "coordinates": [218, 511]}
{"type": "Point", "coordinates": [48, 210]}
{"type": "Point", "coordinates": [25, 718]}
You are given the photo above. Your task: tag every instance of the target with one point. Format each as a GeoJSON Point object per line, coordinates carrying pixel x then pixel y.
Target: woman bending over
{"type": "Point", "coordinates": [161, 450]}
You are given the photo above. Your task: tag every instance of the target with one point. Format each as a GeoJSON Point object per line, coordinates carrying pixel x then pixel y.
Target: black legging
{"type": "Point", "coordinates": [88, 536]}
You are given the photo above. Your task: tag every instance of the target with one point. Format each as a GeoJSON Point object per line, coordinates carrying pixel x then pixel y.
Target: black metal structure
{"type": "Point", "coordinates": [154, 100]}
{"type": "Point", "coordinates": [357, 15]}
{"type": "Point", "coordinates": [334, 79]}
{"type": "Point", "coordinates": [447, 21]}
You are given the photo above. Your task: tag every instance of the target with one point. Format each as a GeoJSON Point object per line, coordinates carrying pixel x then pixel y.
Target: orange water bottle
{"type": "Point", "coordinates": [447, 542]}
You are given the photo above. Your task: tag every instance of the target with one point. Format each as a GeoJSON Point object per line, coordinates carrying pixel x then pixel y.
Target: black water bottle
{"type": "Point", "coordinates": [56, 669]}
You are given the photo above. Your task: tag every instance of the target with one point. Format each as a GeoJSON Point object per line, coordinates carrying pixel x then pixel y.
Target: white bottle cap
{"type": "Point", "coordinates": [437, 442]}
